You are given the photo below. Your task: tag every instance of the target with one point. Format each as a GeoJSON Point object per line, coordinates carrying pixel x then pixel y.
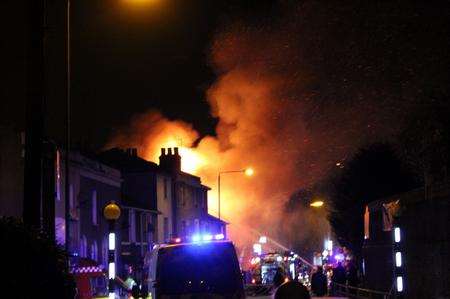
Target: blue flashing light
{"type": "Point", "coordinates": [207, 237]}
{"type": "Point", "coordinates": [339, 257]}
{"type": "Point", "coordinates": [219, 237]}
{"type": "Point", "coordinates": [196, 238]}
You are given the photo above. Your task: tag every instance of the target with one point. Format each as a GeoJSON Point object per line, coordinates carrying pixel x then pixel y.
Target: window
{"type": "Point", "coordinates": [196, 225]}
{"type": "Point", "coordinates": [94, 251]}
{"type": "Point", "coordinates": [58, 175]}
{"type": "Point", "coordinates": [71, 203]}
{"type": "Point", "coordinates": [105, 252]}
{"type": "Point", "coordinates": [183, 228]}
{"type": "Point", "coordinates": [94, 208]}
{"type": "Point", "coordinates": [181, 195]}
{"type": "Point", "coordinates": [165, 188]}
{"type": "Point", "coordinates": [366, 223]}
{"type": "Point", "coordinates": [132, 226]}
{"type": "Point", "coordinates": [83, 246]}
{"type": "Point", "coordinates": [166, 228]}
{"type": "Point", "coordinates": [196, 199]}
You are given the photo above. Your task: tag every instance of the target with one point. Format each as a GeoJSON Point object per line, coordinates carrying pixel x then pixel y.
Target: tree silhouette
{"type": "Point", "coordinates": [33, 265]}
{"type": "Point", "coordinates": [373, 173]}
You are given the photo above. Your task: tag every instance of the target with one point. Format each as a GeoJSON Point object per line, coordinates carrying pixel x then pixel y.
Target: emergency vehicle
{"type": "Point", "coordinates": [201, 266]}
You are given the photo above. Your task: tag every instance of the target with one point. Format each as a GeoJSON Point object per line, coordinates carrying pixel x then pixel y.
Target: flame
{"type": "Point", "coordinates": [191, 160]}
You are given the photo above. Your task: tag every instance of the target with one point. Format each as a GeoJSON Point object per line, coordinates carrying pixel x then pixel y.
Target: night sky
{"type": "Point", "coordinates": [130, 58]}
{"type": "Point", "coordinates": [126, 59]}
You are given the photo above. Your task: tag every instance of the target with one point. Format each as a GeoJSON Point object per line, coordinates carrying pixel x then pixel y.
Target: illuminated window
{"type": "Point", "coordinates": [83, 246]}
{"type": "Point", "coordinates": [94, 251]}
{"type": "Point", "coordinates": [366, 223]}
{"type": "Point", "coordinates": [132, 226]}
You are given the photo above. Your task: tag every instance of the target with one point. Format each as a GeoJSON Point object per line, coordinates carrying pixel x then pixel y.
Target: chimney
{"type": "Point", "coordinates": [131, 151]}
{"type": "Point", "coordinates": [170, 162]}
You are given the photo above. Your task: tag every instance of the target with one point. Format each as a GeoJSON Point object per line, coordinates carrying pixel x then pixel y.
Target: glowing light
{"type": "Point", "coordinates": [112, 241]}
{"type": "Point", "coordinates": [292, 269]}
{"type": "Point", "coordinates": [339, 257]}
{"type": "Point", "coordinates": [196, 238]}
{"type": "Point", "coordinates": [177, 240]}
{"type": "Point", "coordinates": [316, 204]}
{"type": "Point", "coordinates": [263, 240]}
{"type": "Point", "coordinates": [111, 295]}
{"type": "Point", "coordinates": [286, 279]}
{"type": "Point", "coordinates": [140, 2]}
{"type": "Point", "coordinates": [253, 281]}
{"type": "Point", "coordinates": [257, 248]}
{"type": "Point", "coordinates": [397, 235]}
{"type": "Point", "coordinates": [219, 237]}
{"type": "Point", "coordinates": [112, 270]}
{"type": "Point", "coordinates": [249, 171]}
{"type": "Point", "coordinates": [279, 259]}
{"type": "Point", "coordinates": [398, 259]}
{"type": "Point", "coordinates": [399, 284]}
{"type": "Point", "coordinates": [255, 260]}
{"type": "Point", "coordinates": [329, 245]}
{"type": "Point", "coordinates": [207, 237]}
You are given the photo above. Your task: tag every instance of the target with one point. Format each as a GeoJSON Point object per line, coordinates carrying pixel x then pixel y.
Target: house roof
{"type": "Point", "coordinates": [213, 218]}
{"type": "Point", "coordinates": [436, 191]}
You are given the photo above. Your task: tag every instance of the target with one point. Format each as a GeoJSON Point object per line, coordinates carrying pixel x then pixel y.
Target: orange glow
{"type": "Point", "coordinates": [141, 2]}
{"type": "Point", "coordinates": [191, 161]}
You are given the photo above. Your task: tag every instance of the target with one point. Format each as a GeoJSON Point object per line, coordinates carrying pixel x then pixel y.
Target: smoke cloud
{"type": "Point", "coordinates": [293, 98]}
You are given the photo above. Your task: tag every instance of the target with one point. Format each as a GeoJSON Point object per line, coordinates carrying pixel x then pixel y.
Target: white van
{"type": "Point", "coordinates": [195, 270]}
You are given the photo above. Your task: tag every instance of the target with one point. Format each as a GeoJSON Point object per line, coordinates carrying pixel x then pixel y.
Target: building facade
{"type": "Point", "coordinates": [178, 200]}
{"type": "Point", "coordinates": [92, 185]}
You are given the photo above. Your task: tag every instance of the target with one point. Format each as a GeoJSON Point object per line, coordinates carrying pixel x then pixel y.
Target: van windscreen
{"type": "Point", "coordinates": [198, 268]}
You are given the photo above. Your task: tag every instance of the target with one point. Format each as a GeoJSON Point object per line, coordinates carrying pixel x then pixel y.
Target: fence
{"type": "Point", "coordinates": [360, 293]}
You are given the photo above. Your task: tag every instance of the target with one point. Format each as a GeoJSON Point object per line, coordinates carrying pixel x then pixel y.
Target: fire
{"type": "Point", "coordinates": [191, 160]}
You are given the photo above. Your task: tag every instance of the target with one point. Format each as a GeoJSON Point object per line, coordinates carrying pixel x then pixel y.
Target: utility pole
{"type": "Point", "coordinates": [34, 113]}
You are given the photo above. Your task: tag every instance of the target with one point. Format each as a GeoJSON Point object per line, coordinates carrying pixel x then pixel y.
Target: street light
{"type": "Point", "coordinates": [316, 204]}
{"type": "Point", "coordinates": [247, 171]}
{"type": "Point", "coordinates": [111, 213]}
{"type": "Point", "coordinates": [68, 116]}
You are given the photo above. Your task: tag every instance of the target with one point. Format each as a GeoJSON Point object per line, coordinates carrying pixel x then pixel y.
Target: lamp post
{"type": "Point", "coordinates": [68, 117]}
{"type": "Point", "coordinates": [246, 171]}
{"type": "Point", "coordinates": [111, 213]}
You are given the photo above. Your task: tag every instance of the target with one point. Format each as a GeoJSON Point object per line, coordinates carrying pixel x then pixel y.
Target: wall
{"type": "Point", "coordinates": [11, 173]}
{"type": "Point", "coordinates": [164, 205]}
{"type": "Point", "coordinates": [426, 237]}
